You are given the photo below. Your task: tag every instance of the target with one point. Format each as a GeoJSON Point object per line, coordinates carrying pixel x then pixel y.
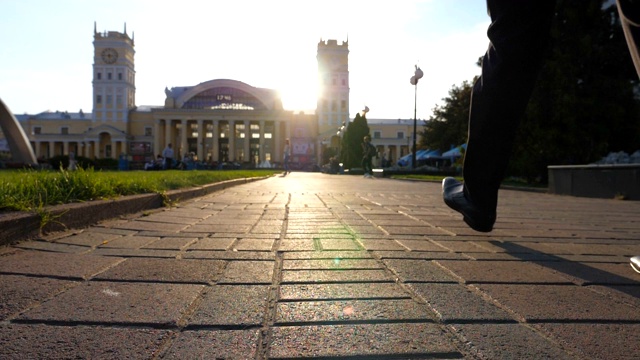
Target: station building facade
{"type": "Point", "coordinates": [220, 120]}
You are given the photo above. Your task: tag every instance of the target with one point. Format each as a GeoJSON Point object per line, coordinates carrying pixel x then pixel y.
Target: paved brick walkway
{"type": "Point", "coordinates": [331, 267]}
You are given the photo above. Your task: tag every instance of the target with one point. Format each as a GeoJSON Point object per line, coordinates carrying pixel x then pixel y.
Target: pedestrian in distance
{"type": "Point", "coordinates": [368, 152]}
{"type": "Point", "coordinates": [167, 154]}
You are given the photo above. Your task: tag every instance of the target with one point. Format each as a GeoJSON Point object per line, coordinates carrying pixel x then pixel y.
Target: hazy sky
{"type": "Point", "coordinates": [46, 48]}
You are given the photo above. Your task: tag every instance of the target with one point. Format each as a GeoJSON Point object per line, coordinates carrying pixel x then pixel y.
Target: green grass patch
{"type": "Point", "coordinates": [31, 190]}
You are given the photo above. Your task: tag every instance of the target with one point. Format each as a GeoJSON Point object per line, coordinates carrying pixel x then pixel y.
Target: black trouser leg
{"type": "Point", "coordinates": [518, 36]}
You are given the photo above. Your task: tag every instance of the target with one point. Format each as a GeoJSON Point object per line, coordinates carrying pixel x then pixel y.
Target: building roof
{"type": "Point", "coordinates": [55, 115]}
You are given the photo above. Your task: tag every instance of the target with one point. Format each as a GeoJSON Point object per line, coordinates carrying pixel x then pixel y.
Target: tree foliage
{"type": "Point", "coordinates": [351, 149]}
{"type": "Point", "coordinates": [448, 125]}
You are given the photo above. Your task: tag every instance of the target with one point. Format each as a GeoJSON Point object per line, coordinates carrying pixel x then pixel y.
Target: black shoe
{"type": "Point", "coordinates": [477, 219]}
{"type": "Point", "coordinates": [635, 263]}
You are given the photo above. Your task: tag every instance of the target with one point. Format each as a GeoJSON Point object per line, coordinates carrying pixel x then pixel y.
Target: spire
{"type": "Point", "coordinates": [125, 28]}
{"type": "Point", "coordinates": [95, 28]}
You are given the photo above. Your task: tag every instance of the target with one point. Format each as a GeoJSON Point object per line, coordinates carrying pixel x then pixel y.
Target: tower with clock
{"type": "Point", "coordinates": [113, 78]}
{"type": "Point", "coordinates": [332, 107]}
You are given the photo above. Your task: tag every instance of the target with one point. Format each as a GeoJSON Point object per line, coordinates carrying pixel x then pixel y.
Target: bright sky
{"type": "Point", "coordinates": [46, 48]}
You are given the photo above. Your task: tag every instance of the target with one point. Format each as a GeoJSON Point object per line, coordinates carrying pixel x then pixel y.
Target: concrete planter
{"type": "Point", "coordinates": [596, 181]}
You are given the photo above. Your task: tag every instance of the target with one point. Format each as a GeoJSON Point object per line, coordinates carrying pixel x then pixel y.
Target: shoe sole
{"type": "Point", "coordinates": [633, 266]}
{"type": "Point", "coordinates": [472, 224]}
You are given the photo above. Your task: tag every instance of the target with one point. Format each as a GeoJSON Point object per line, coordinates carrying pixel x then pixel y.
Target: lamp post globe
{"type": "Point", "coordinates": [417, 75]}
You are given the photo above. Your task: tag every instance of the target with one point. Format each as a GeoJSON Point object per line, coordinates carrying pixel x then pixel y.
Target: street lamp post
{"type": "Point", "coordinates": [417, 75]}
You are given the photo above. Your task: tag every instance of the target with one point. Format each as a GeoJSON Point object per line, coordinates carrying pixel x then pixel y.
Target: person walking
{"type": "Point", "coordinates": [167, 154]}
{"type": "Point", "coordinates": [519, 33]}
{"type": "Point", "coordinates": [368, 152]}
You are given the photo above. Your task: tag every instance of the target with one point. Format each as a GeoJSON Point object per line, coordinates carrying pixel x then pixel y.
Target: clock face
{"type": "Point", "coordinates": [109, 55]}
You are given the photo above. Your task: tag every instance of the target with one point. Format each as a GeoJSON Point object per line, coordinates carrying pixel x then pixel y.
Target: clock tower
{"type": "Point", "coordinates": [113, 78]}
{"type": "Point", "coordinates": [332, 108]}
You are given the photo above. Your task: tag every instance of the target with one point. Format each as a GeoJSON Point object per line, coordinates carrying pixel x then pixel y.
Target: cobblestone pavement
{"type": "Point", "coordinates": [330, 267]}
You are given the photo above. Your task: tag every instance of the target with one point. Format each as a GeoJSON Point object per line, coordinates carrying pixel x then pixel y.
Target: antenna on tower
{"type": "Point", "coordinates": [95, 28]}
{"type": "Point", "coordinates": [125, 28]}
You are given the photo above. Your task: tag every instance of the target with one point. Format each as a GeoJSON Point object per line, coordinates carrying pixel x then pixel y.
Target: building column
{"type": "Point", "coordinates": [65, 148]}
{"type": "Point", "coordinates": [167, 135]}
{"type": "Point", "coordinates": [183, 138]}
{"type": "Point", "coordinates": [37, 149]}
{"type": "Point", "coordinates": [96, 149]}
{"type": "Point", "coordinates": [156, 138]}
{"type": "Point", "coordinates": [114, 149]}
{"type": "Point", "coordinates": [200, 150]}
{"type": "Point", "coordinates": [262, 157]}
{"type": "Point", "coordinates": [215, 140]}
{"type": "Point", "coordinates": [52, 149]}
{"type": "Point", "coordinates": [247, 141]}
{"type": "Point", "coordinates": [232, 141]}
{"type": "Point", "coordinates": [277, 142]}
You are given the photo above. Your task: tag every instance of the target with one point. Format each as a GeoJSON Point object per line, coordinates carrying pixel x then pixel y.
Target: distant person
{"type": "Point", "coordinates": [167, 154]}
{"type": "Point", "coordinates": [286, 156]}
{"type": "Point", "coordinates": [368, 152]}
{"type": "Point", "coordinates": [518, 34]}
{"type": "Point", "coordinates": [73, 163]}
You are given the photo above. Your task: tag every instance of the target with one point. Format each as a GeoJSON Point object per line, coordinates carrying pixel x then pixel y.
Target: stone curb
{"type": "Point", "coordinates": [19, 226]}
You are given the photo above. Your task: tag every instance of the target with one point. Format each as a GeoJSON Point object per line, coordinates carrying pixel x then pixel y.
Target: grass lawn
{"type": "Point", "coordinates": [27, 190]}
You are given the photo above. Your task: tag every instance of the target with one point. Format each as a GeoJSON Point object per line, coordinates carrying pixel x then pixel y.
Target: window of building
{"type": "Point", "coordinates": [64, 130]}
{"type": "Point", "coordinates": [98, 99]}
{"type": "Point", "coordinates": [108, 76]}
{"type": "Point", "coordinates": [109, 99]}
{"type": "Point", "coordinates": [344, 82]}
{"type": "Point", "coordinates": [119, 99]}
{"type": "Point", "coordinates": [376, 134]}
{"type": "Point", "coordinates": [400, 135]}
{"type": "Point", "coordinates": [267, 135]}
{"type": "Point", "coordinates": [119, 76]}
{"type": "Point", "coordinates": [343, 105]}
{"type": "Point", "coordinates": [334, 105]}
{"type": "Point", "coordinates": [148, 131]}
{"type": "Point", "coordinates": [37, 130]}
{"type": "Point", "coordinates": [99, 76]}
{"type": "Point", "coordinates": [255, 135]}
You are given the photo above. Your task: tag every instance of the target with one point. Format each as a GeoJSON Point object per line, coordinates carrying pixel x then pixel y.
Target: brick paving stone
{"type": "Point", "coordinates": [598, 341]}
{"type": "Point", "coordinates": [414, 230]}
{"type": "Point", "coordinates": [238, 305]}
{"type": "Point", "coordinates": [143, 225]}
{"type": "Point", "coordinates": [87, 238]}
{"type": "Point", "coordinates": [214, 344]}
{"type": "Point", "coordinates": [17, 293]}
{"type": "Point", "coordinates": [51, 247]}
{"type": "Point", "coordinates": [418, 271]}
{"type": "Point", "coordinates": [296, 245]}
{"type": "Point", "coordinates": [351, 310]}
{"type": "Point", "coordinates": [334, 264]}
{"type": "Point", "coordinates": [342, 291]}
{"type": "Point", "coordinates": [159, 253]}
{"type": "Point", "coordinates": [19, 341]}
{"type": "Point", "coordinates": [212, 244]}
{"type": "Point", "coordinates": [164, 270]}
{"type": "Point", "coordinates": [365, 230]}
{"type": "Point", "coordinates": [254, 244]}
{"type": "Point", "coordinates": [421, 245]}
{"type": "Point", "coordinates": [456, 303]}
{"type": "Point", "coordinates": [326, 255]}
{"type": "Point", "coordinates": [462, 246]}
{"type": "Point", "coordinates": [316, 276]}
{"type": "Point", "coordinates": [229, 255]}
{"type": "Point", "coordinates": [170, 243]}
{"type": "Point", "coordinates": [623, 294]}
{"type": "Point", "coordinates": [424, 255]}
{"type": "Point", "coordinates": [72, 266]}
{"type": "Point", "coordinates": [117, 303]}
{"type": "Point", "coordinates": [508, 341]}
{"type": "Point", "coordinates": [382, 340]}
{"type": "Point", "coordinates": [218, 228]}
{"type": "Point", "coordinates": [248, 272]}
{"type": "Point", "coordinates": [338, 244]}
{"type": "Point", "coordinates": [169, 218]}
{"type": "Point", "coordinates": [503, 272]}
{"type": "Point", "coordinates": [544, 303]}
{"type": "Point", "coordinates": [390, 245]}
{"type": "Point", "coordinates": [128, 242]}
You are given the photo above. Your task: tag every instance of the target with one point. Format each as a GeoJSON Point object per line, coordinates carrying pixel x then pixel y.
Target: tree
{"type": "Point", "coordinates": [351, 149]}
{"type": "Point", "coordinates": [448, 125]}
